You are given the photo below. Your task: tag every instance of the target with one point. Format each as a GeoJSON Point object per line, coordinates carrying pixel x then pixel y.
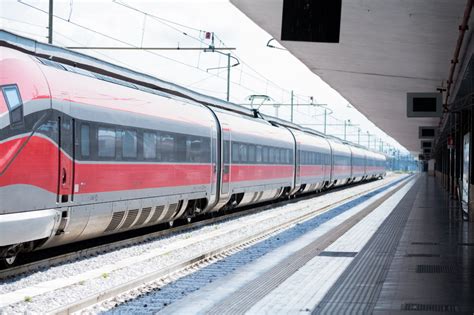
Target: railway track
{"type": "Point", "coordinates": [201, 260]}
{"type": "Point", "coordinates": [189, 264]}
{"type": "Point", "coordinates": [67, 253]}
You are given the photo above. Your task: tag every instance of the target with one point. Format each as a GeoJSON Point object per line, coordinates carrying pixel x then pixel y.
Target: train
{"type": "Point", "coordinates": [85, 154]}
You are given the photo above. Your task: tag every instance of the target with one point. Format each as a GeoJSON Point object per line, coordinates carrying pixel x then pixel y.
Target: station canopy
{"type": "Point", "coordinates": [386, 49]}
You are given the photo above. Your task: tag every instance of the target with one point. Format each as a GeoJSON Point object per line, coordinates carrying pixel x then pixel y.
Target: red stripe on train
{"type": "Point", "coordinates": [314, 170]}
{"type": "Point", "coordinates": [242, 172]}
{"type": "Point", "coordinates": [114, 177]}
{"type": "Point", "coordinates": [37, 165]}
{"type": "Point", "coordinates": [342, 169]}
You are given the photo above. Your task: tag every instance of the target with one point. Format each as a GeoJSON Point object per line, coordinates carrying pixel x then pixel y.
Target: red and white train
{"type": "Point", "coordinates": [84, 154]}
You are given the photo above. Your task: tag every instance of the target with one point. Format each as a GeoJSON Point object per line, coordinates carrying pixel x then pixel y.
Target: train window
{"type": "Point", "coordinates": [205, 150]}
{"type": "Point", "coordinates": [106, 137]}
{"type": "Point", "coordinates": [129, 144]}
{"type": "Point", "coordinates": [193, 149]}
{"type": "Point", "coordinates": [251, 153]}
{"type": "Point", "coordinates": [167, 147]}
{"type": "Point", "coordinates": [12, 96]}
{"type": "Point", "coordinates": [85, 141]}
{"type": "Point", "coordinates": [243, 152]}
{"type": "Point", "coordinates": [277, 155]}
{"type": "Point", "coordinates": [14, 103]}
{"type": "Point", "coordinates": [181, 147]}
{"type": "Point", "coordinates": [271, 155]}
{"type": "Point", "coordinates": [265, 155]}
{"type": "Point", "coordinates": [259, 154]}
{"type": "Point", "coordinates": [226, 157]}
{"type": "Point", "coordinates": [235, 152]}
{"type": "Point", "coordinates": [282, 156]}
{"type": "Point", "coordinates": [149, 145]}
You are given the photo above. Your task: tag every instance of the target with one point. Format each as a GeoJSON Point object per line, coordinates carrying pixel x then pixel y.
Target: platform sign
{"type": "Point", "coordinates": [465, 173]}
{"type": "Point", "coordinates": [424, 105]}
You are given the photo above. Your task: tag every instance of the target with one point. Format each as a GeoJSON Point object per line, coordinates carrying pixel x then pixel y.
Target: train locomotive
{"type": "Point", "coordinates": [84, 154]}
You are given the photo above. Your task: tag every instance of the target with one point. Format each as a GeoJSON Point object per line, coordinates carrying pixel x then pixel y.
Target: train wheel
{"type": "Point", "coordinates": [8, 261]}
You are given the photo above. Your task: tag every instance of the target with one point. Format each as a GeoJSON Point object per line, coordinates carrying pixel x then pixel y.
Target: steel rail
{"type": "Point", "coordinates": [108, 247]}
{"type": "Point", "coordinates": [230, 248]}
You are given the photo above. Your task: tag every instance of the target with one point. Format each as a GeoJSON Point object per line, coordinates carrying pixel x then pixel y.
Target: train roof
{"type": "Point", "coordinates": [123, 75]}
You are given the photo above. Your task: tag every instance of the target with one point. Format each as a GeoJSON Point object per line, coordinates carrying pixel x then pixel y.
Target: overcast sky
{"type": "Point", "coordinates": [262, 70]}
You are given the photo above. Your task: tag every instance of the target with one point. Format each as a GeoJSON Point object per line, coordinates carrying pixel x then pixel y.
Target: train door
{"type": "Point", "coordinates": [66, 156]}
{"type": "Point", "coordinates": [226, 145]}
{"type": "Point", "coordinates": [215, 166]}
{"type": "Point", "coordinates": [298, 164]}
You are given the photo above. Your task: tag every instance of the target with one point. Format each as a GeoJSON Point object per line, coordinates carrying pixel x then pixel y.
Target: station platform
{"type": "Point", "coordinates": [412, 254]}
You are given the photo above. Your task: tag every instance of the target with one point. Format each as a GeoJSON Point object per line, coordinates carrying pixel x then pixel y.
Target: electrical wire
{"type": "Point", "coordinates": [71, 6]}
{"type": "Point", "coordinates": [23, 22]}
{"type": "Point", "coordinates": [163, 21]}
{"type": "Point", "coordinates": [108, 36]}
{"type": "Point", "coordinates": [167, 23]}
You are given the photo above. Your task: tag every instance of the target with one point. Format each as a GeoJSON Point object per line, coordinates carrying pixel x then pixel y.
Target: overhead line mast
{"type": "Point", "coordinates": [50, 24]}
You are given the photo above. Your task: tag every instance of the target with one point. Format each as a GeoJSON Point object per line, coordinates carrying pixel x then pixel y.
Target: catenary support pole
{"type": "Point", "coordinates": [50, 24]}
{"type": "Point", "coordinates": [228, 77]}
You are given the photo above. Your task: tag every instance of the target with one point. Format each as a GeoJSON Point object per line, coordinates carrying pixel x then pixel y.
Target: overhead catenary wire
{"type": "Point", "coordinates": [128, 44]}
{"type": "Point", "coordinates": [162, 20]}
{"type": "Point", "coordinates": [167, 22]}
{"type": "Point", "coordinates": [23, 22]}
{"type": "Point", "coordinates": [107, 36]}
{"type": "Point", "coordinates": [174, 25]}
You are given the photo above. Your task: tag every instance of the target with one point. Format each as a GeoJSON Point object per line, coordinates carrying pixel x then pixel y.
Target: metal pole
{"type": "Point", "coordinates": [50, 28]}
{"type": "Point", "coordinates": [291, 105]}
{"type": "Point", "coordinates": [325, 116]}
{"type": "Point", "coordinates": [228, 76]}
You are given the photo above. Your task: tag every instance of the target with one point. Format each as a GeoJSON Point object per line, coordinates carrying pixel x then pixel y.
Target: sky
{"type": "Point", "coordinates": [183, 23]}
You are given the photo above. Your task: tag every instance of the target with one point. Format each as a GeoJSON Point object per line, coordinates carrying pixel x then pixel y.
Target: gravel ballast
{"type": "Point", "coordinates": [234, 229]}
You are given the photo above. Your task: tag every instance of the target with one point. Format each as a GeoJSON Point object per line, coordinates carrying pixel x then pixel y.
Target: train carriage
{"type": "Point", "coordinates": [84, 153]}
{"type": "Point", "coordinates": [341, 162]}
{"type": "Point", "coordinates": [258, 159]}
{"type": "Point", "coordinates": [106, 157]}
{"type": "Point", "coordinates": [375, 165]}
{"type": "Point", "coordinates": [358, 161]}
{"type": "Point", "coordinates": [314, 161]}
